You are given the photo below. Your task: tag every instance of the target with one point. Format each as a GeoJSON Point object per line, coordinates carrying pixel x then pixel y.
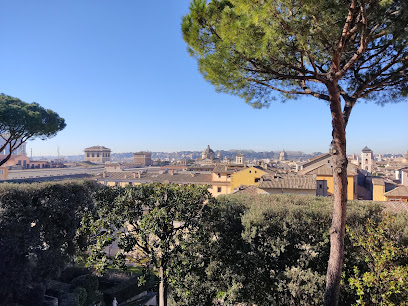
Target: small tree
{"type": "Point", "coordinates": [339, 51]}
{"type": "Point", "coordinates": [386, 281]}
{"type": "Point", "coordinates": [20, 121]}
{"type": "Point", "coordinates": [153, 219]}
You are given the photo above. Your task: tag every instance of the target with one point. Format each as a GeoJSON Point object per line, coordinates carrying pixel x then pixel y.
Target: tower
{"type": "Point", "coordinates": [283, 155]}
{"type": "Point", "coordinates": [239, 159]}
{"type": "Point", "coordinates": [367, 159]}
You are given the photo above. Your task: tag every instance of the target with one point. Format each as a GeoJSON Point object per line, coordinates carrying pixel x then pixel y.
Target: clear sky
{"type": "Point", "coordinates": [119, 73]}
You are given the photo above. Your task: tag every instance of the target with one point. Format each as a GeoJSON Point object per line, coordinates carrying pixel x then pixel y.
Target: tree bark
{"type": "Point", "coordinates": [162, 288]}
{"type": "Point", "coordinates": [337, 230]}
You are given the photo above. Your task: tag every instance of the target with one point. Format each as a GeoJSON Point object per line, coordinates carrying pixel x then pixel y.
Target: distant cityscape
{"type": "Point", "coordinates": [378, 177]}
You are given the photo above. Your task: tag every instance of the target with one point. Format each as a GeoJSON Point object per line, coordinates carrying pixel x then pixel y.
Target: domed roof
{"type": "Point", "coordinates": [208, 150]}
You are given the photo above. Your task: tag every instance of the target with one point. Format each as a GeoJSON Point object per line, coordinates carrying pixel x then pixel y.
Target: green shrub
{"type": "Point", "coordinates": [89, 282]}
{"type": "Point", "coordinates": [266, 250]}
{"type": "Point", "coordinates": [68, 299]}
{"type": "Point", "coordinates": [385, 281]}
{"type": "Point", "coordinates": [81, 295]}
{"type": "Point", "coordinates": [33, 216]}
{"type": "Point", "coordinates": [73, 272]}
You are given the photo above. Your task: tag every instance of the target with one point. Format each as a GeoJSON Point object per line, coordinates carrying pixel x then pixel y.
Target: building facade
{"type": "Point", "coordinates": [142, 158]}
{"type": "Point", "coordinates": [21, 150]}
{"type": "Point", "coordinates": [367, 160]}
{"type": "Point", "coordinates": [239, 159]}
{"type": "Point", "coordinates": [97, 154]}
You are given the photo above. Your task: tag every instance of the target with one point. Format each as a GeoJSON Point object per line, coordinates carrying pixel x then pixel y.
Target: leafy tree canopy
{"type": "Point", "coordinates": [20, 121]}
{"type": "Point", "coordinates": [336, 50]}
{"type": "Point", "coordinates": [251, 48]}
{"type": "Point", "coordinates": [149, 223]}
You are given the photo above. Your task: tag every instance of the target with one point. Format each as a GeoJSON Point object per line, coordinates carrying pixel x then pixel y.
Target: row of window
{"type": "Point", "coordinates": [97, 154]}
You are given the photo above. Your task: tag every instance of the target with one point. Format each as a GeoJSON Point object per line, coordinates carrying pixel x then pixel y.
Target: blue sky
{"type": "Point", "coordinates": [119, 73]}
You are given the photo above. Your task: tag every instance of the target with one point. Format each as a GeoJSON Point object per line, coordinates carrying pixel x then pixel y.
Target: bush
{"type": "Point", "coordinates": [73, 272]}
{"type": "Point", "coordinates": [33, 216]}
{"type": "Point", "coordinates": [89, 282]}
{"type": "Point", "coordinates": [69, 299]}
{"type": "Point", "coordinates": [81, 295]}
{"type": "Point", "coordinates": [266, 250]}
{"type": "Point", "coordinates": [385, 281]}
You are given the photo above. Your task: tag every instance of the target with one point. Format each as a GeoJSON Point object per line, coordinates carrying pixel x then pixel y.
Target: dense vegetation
{"type": "Point", "coordinates": [272, 250]}
{"type": "Point", "coordinates": [264, 250]}
{"type": "Point", "coordinates": [38, 224]}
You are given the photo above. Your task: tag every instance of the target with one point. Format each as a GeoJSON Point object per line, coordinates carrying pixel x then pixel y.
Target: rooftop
{"type": "Point", "coordinates": [288, 182]}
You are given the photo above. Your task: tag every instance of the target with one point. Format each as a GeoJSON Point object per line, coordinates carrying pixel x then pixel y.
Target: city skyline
{"type": "Point", "coordinates": [121, 76]}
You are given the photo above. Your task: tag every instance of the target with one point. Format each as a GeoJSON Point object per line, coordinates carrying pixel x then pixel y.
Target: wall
{"type": "Point", "coordinates": [378, 193]}
{"type": "Point", "coordinates": [221, 177]}
{"type": "Point", "coordinates": [246, 177]}
{"type": "Point", "coordinates": [351, 195]}
{"type": "Point", "coordinates": [399, 199]}
{"type": "Point", "coordinates": [3, 173]}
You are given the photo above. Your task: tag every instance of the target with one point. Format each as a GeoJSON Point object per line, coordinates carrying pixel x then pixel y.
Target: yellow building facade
{"type": "Point", "coordinates": [247, 176]}
{"type": "Point", "coordinates": [378, 189]}
{"type": "Point", "coordinates": [351, 185]}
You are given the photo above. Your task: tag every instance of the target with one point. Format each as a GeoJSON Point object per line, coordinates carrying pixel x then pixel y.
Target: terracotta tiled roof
{"type": "Point", "coordinates": [327, 169]}
{"type": "Point", "coordinates": [227, 169]}
{"type": "Point", "coordinates": [251, 190]}
{"type": "Point", "coordinates": [401, 191]}
{"type": "Point", "coordinates": [315, 159]}
{"type": "Point", "coordinates": [97, 148]}
{"type": "Point", "coordinates": [288, 182]}
{"type": "Point", "coordinates": [177, 178]}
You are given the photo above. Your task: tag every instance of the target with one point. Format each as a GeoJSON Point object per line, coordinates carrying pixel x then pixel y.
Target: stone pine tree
{"type": "Point", "coordinates": [20, 121]}
{"type": "Point", "coordinates": [339, 51]}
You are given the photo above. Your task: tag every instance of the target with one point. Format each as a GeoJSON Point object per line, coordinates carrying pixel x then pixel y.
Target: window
{"type": "Point", "coordinates": [1, 171]}
{"type": "Point", "coordinates": [219, 189]}
{"type": "Point", "coordinates": [250, 171]}
{"type": "Point", "coordinates": [219, 175]}
{"type": "Point", "coordinates": [87, 154]}
{"type": "Point", "coordinates": [257, 180]}
{"type": "Point", "coordinates": [320, 186]}
{"type": "Point", "coordinates": [228, 175]}
{"type": "Point", "coordinates": [97, 154]}
{"type": "Point", "coordinates": [130, 183]}
{"type": "Point", "coordinates": [93, 155]}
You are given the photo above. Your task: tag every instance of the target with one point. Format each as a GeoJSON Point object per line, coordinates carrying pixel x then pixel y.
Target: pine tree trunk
{"type": "Point", "coordinates": [162, 288]}
{"type": "Point", "coordinates": [337, 230]}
